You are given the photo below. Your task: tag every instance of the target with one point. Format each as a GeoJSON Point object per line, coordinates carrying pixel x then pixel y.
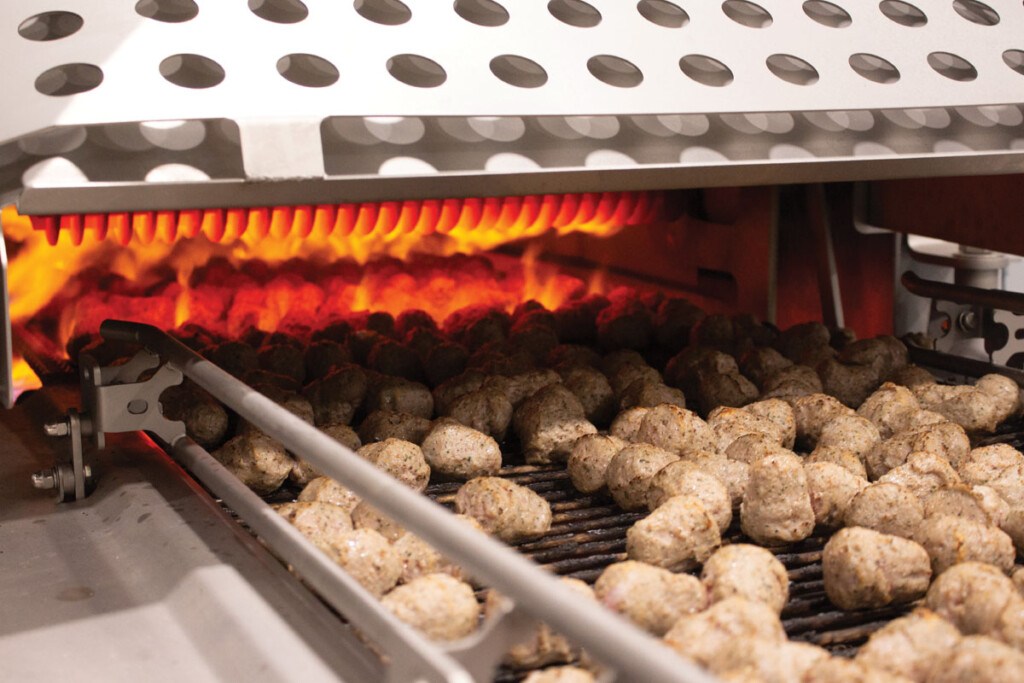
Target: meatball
{"type": "Point", "coordinates": [679, 535]}
{"type": "Point", "coordinates": [631, 471]}
{"type": "Point", "coordinates": [284, 359]}
{"type": "Point", "coordinates": [234, 357]}
{"type": "Point", "coordinates": [458, 451]}
{"type": "Point", "coordinates": [746, 571]}
{"type": "Point", "coordinates": [676, 429]}
{"type": "Point", "coordinates": [321, 523]}
{"type": "Point", "coordinates": [651, 597]}
{"type": "Point", "coordinates": [521, 386]}
{"type": "Point", "coordinates": [368, 558]}
{"type": "Point", "coordinates": [381, 425]}
{"type": "Point", "coordinates": [865, 568]}
{"type": "Point", "coordinates": [419, 558]}
{"type": "Point", "coordinates": [648, 394]}
{"type": "Point", "coordinates": [509, 511]}
{"type": "Point", "coordinates": [724, 389]}
{"type": "Point", "coordinates": [702, 637]}
{"type": "Point", "coordinates": [839, 456]}
{"type": "Point", "coordinates": [401, 459]}
{"type": "Point", "coordinates": [449, 390]}
{"type": "Point", "coordinates": [611, 363]}
{"type": "Point", "coordinates": [548, 424]}
{"type": "Point", "coordinates": [685, 477]}
{"type": "Point", "coordinates": [979, 658]}
{"type": "Point", "coordinates": [588, 462]}
{"type": "Point", "coordinates": [261, 463]}
{"type": "Point", "coordinates": [1000, 467]}
{"type": "Point", "coordinates": [762, 362]}
{"type": "Point", "coordinates": [206, 421]}
{"type": "Point", "coordinates": [303, 472]}
{"type": "Point", "coordinates": [913, 375]}
{"type": "Point", "coordinates": [627, 425]}
{"type": "Point", "coordinates": [950, 540]}
{"type": "Point", "coordinates": [889, 408]}
{"type": "Point", "coordinates": [779, 412]}
{"type": "Point", "coordinates": [972, 596]}
{"type": "Point", "coordinates": [969, 407]}
{"type": "Point", "coordinates": [400, 395]}
{"type": "Point", "coordinates": [326, 490]}
{"type": "Point", "coordinates": [728, 424]}
{"type": "Point", "coordinates": [910, 646]}
{"type": "Point", "coordinates": [812, 413]}
{"type": "Point", "coordinates": [733, 473]}
{"type": "Point", "coordinates": [978, 503]}
{"type": "Point", "coordinates": [769, 660]}
{"type": "Point", "coordinates": [336, 397]}
{"type": "Point", "coordinates": [832, 488]}
{"type": "Point", "coordinates": [438, 605]}
{"type": "Point", "coordinates": [794, 376]}
{"type": "Point", "coordinates": [797, 339]}
{"type": "Point", "coordinates": [365, 516]}
{"type": "Point", "coordinates": [947, 440]}
{"type": "Point", "coordinates": [776, 506]}
{"type": "Point", "coordinates": [840, 670]}
{"type": "Point", "coordinates": [884, 353]}
{"type": "Point", "coordinates": [750, 448]}
{"type": "Point", "coordinates": [1004, 392]}
{"type": "Point", "coordinates": [851, 384]}
{"type": "Point", "coordinates": [887, 508]}
{"type": "Point", "coordinates": [593, 391]}
{"type": "Point", "coordinates": [851, 433]}
{"type": "Point", "coordinates": [324, 356]}
{"type": "Point", "coordinates": [485, 410]}
{"type": "Point", "coordinates": [922, 474]}
{"type": "Point", "coordinates": [560, 674]}
{"type": "Point", "coordinates": [630, 374]}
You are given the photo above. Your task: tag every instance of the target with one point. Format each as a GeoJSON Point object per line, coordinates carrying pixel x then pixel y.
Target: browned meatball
{"type": "Point", "coordinates": [979, 658]}
{"type": "Point", "coordinates": [235, 357]}
{"type": "Point", "coordinates": [851, 384]}
{"type": "Point", "coordinates": [486, 410]}
{"type": "Point", "coordinates": [648, 394]}
{"type": "Point", "coordinates": [850, 433]}
{"type": "Point", "coordinates": [611, 363]}
{"type": "Point", "coordinates": [887, 508]}
{"type": "Point", "coordinates": [724, 389]}
{"type": "Point", "coordinates": [762, 362]}
{"type": "Point", "coordinates": [812, 413]}
{"type": "Point", "coordinates": [922, 474]}
{"type": "Point", "coordinates": [321, 523]}
{"type": "Point", "coordinates": [832, 488]}
{"type": "Point", "coordinates": [381, 425]}
{"type": "Point", "coordinates": [509, 511]}
{"type": "Point", "coordinates": [685, 477]}
{"type": "Point", "coordinates": [400, 395]}
{"type": "Point", "coordinates": [864, 568]}
{"type": "Point", "coordinates": [594, 392]}
{"type": "Point", "coordinates": [326, 490]}
{"type": "Point", "coordinates": [336, 397]}
{"type": "Point", "coordinates": [679, 535]}
{"type": "Point", "coordinates": [838, 456]}
{"type": "Point", "coordinates": [284, 359]}
{"type": "Point", "coordinates": [794, 376]}
{"type": "Point", "coordinates": [368, 558]}
{"type": "Point", "coordinates": [702, 637]}
{"type": "Point", "coordinates": [747, 571]}
{"type": "Point", "coordinates": [913, 375]}
{"type": "Point", "coordinates": [889, 408]}
{"type": "Point", "coordinates": [458, 451]}
{"type": "Point", "coordinates": [548, 424]}
{"type": "Point", "coordinates": [1000, 467]}
{"type": "Point", "coordinates": [589, 460]}
{"type": "Point", "coordinates": [1004, 392]}
{"type": "Point", "coordinates": [631, 471]}
{"type": "Point", "coordinates": [449, 390]}
{"type": "Point", "coordinates": [676, 429]}
{"type": "Point", "coordinates": [401, 459]}
{"type": "Point", "coordinates": [972, 596]}
{"type": "Point", "coordinates": [438, 605]}
{"type": "Point", "coordinates": [206, 421]}
{"type": "Point", "coordinates": [777, 504]}
{"type": "Point", "coordinates": [797, 339]}
{"type": "Point", "coordinates": [947, 440]}
{"type": "Point", "coordinates": [629, 374]}
{"type": "Point", "coordinates": [949, 540]}
{"type": "Point", "coordinates": [260, 462]}
{"type": "Point", "coordinates": [651, 597]}
{"type": "Point", "coordinates": [910, 646]}
{"type": "Point", "coordinates": [627, 424]}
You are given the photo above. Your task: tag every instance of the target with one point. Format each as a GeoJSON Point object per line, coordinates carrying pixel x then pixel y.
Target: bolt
{"type": "Point", "coordinates": [57, 428]}
{"type": "Point", "coordinates": [87, 471]}
{"type": "Point", "coordinates": [44, 479]}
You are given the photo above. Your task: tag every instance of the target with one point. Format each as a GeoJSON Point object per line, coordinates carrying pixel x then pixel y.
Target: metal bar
{"type": "Point", "coordinates": [962, 294]}
{"type": "Point", "coordinates": [608, 637]}
{"type": "Point", "coordinates": [828, 273]}
{"type": "Point", "coordinates": [969, 367]}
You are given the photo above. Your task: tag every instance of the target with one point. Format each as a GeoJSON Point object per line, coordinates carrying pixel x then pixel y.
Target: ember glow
{"type": "Point", "coordinates": [295, 268]}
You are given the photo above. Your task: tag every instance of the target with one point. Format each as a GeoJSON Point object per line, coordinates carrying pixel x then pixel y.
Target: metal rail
{"type": "Point", "coordinates": [634, 654]}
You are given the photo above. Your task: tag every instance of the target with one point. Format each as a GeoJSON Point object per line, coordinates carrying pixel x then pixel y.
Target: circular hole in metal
{"type": "Point", "coordinates": [706, 70]}
{"type": "Point", "coordinates": [663, 13]}
{"type": "Point", "coordinates": [952, 66]}
{"type": "Point", "coordinates": [903, 13]}
{"type": "Point", "coordinates": [615, 71]}
{"type": "Point", "coordinates": [747, 13]}
{"type": "Point", "coordinates": [192, 71]}
{"type": "Point", "coordinates": [575, 13]}
{"type": "Point", "coordinates": [417, 71]}
{"type": "Point", "coordinates": [279, 11]}
{"type": "Point", "coordinates": [519, 71]}
{"type": "Point", "coordinates": [874, 68]}
{"type": "Point", "coordinates": [69, 79]}
{"type": "Point", "coordinates": [138, 406]}
{"type": "Point", "coordinates": [170, 11]}
{"type": "Point", "coordinates": [1015, 60]}
{"type": "Point", "coordinates": [50, 26]}
{"type": "Point", "coordinates": [827, 14]}
{"type": "Point", "coordinates": [792, 69]}
{"type": "Point", "coordinates": [307, 70]}
{"type": "Point", "coordinates": [482, 12]}
{"type": "Point", "coordinates": [387, 12]}
{"type": "Point", "coordinates": [977, 12]}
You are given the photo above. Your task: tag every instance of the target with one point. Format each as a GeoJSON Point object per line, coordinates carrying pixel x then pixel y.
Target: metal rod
{"type": "Point", "coordinates": [610, 638]}
{"type": "Point", "coordinates": [962, 294]}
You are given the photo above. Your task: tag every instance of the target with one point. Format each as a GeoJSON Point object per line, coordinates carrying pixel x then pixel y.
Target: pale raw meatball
{"type": "Point", "coordinates": [840, 670]}
{"type": "Point", "coordinates": [769, 660]}
{"type": "Point", "coordinates": [321, 523]}
{"type": "Point", "coordinates": [851, 433]}
{"type": "Point", "coordinates": [967, 406]}
{"type": "Point", "coordinates": [419, 558]}
{"type": "Point", "coordinates": [1010, 628]}
{"type": "Point", "coordinates": [1000, 467]}
{"type": "Point", "coordinates": [438, 605]}
{"type": "Point", "coordinates": [326, 490]}
{"type": "Point", "coordinates": [777, 504]}
{"type": "Point", "coordinates": [1004, 392]}
{"type": "Point", "coordinates": [910, 646]}
{"type": "Point", "coordinates": [750, 448]}
{"type": "Point", "coordinates": [679, 535]}
{"type": "Point", "coordinates": [979, 658]}
{"type": "Point", "coordinates": [972, 596]}
{"type": "Point", "coordinates": [365, 516]}
{"type": "Point", "coordinates": [627, 424]}
{"type": "Point", "coordinates": [747, 571]}
{"type": "Point", "coordinates": [561, 674]}
{"type": "Point", "coordinates": [779, 412]}
{"type": "Point", "coordinates": [304, 472]}
{"type": "Point", "coordinates": [675, 429]}
{"type": "Point", "coordinates": [368, 558]}
{"type": "Point", "coordinates": [864, 568]}
{"type": "Point", "coordinates": [588, 462]}
{"type": "Point", "coordinates": [401, 396]}
{"type": "Point", "coordinates": [947, 440]}
{"type": "Point", "coordinates": [978, 503]}
{"type": "Point", "coordinates": [812, 413]}
{"type": "Point", "coordinates": [922, 474]}
{"type": "Point", "coordinates": [544, 646]}
{"type": "Point", "coordinates": [261, 463]}
{"type": "Point", "coordinates": [1018, 578]}
{"type": "Point", "coordinates": [889, 408]}
{"type": "Point", "coordinates": [648, 394]}
{"type": "Point", "coordinates": [724, 389]}
{"type": "Point", "coordinates": [729, 424]}
{"type": "Point", "coordinates": [594, 392]}
{"type": "Point", "coordinates": [630, 472]}
{"type": "Point", "coordinates": [887, 508]}
{"type": "Point", "coordinates": [733, 473]}
{"type": "Point", "coordinates": [651, 597]}
{"type": "Point", "coordinates": [548, 424]}
{"type": "Point", "coordinates": [523, 385]}
{"type": "Point", "coordinates": [509, 511]}
{"type": "Point", "coordinates": [485, 410]}
{"type": "Point", "coordinates": [949, 540]}
{"type": "Point", "coordinates": [832, 488]}
{"type": "Point", "coordinates": [685, 477]}
{"type": "Point", "coordinates": [702, 637]}
{"type": "Point", "coordinates": [923, 418]}
{"type": "Point", "coordinates": [455, 450]}
{"type": "Point", "coordinates": [839, 456]}
{"type": "Point", "coordinates": [401, 459]}
{"type": "Point", "coordinates": [851, 384]}
{"type": "Point", "coordinates": [381, 425]}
